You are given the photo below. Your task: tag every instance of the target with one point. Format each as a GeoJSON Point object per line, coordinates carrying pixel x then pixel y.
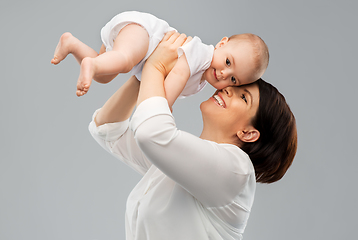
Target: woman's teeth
{"type": "Point", "coordinates": [219, 101]}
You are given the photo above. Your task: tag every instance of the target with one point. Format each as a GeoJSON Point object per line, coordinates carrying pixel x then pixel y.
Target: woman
{"type": "Point", "coordinates": [195, 188]}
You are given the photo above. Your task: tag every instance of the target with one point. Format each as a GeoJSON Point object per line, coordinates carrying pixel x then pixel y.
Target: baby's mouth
{"type": "Point", "coordinates": [215, 74]}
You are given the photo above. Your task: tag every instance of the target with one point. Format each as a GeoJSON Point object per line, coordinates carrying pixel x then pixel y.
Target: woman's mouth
{"type": "Point", "coordinates": [218, 100]}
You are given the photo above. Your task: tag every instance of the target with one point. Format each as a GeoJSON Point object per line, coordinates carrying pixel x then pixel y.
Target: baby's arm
{"type": "Point", "coordinates": [176, 80]}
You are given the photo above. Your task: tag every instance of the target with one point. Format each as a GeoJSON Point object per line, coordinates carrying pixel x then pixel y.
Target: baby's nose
{"type": "Point", "coordinates": [224, 74]}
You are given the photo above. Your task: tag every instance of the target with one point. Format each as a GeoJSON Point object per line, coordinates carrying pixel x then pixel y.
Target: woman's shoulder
{"type": "Point", "coordinates": [235, 159]}
{"type": "Point", "coordinates": [237, 175]}
{"type": "Point", "coordinates": [241, 161]}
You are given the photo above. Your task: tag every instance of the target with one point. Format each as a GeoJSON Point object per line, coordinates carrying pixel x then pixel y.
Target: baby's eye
{"type": "Point", "coordinates": [233, 80]}
{"type": "Point", "coordinates": [244, 98]}
{"type": "Point", "coordinates": [228, 62]}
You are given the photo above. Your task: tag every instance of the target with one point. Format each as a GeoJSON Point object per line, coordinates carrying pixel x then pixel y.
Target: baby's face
{"type": "Point", "coordinates": [232, 64]}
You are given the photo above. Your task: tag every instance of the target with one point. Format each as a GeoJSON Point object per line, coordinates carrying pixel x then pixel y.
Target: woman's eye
{"type": "Point", "coordinates": [244, 98]}
{"type": "Point", "coordinates": [228, 62]}
{"type": "Point", "coordinates": [233, 80]}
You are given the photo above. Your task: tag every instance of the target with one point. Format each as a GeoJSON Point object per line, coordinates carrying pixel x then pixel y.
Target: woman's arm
{"type": "Point", "coordinates": [176, 80]}
{"type": "Point", "coordinates": [158, 66]}
{"type": "Point", "coordinates": [119, 107]}
{"type": "Point", "coordinates": [109, 127]}
{"type": "Point", "coordinates": [212, 173]}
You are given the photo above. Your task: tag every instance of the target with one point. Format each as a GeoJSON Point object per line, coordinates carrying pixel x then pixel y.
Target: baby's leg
{"type": "Point", "coordinates": [69, 44]}
{"type": "Point", "coordinates": [104, 78]}
{"type": "Point", "coordinates": [130, 47]}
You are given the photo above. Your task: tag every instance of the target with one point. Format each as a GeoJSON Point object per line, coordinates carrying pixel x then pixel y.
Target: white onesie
{"type": "Point", "coordinates": [198, 54]}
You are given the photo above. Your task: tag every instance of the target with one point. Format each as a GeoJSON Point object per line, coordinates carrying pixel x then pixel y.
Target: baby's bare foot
{"type": "Point", "coordinates": [86, 75]}
{"type": "Point", "coordinates": [64, 47]}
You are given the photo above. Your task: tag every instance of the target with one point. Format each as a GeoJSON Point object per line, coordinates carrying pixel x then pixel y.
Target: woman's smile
{"type": "Point", "coordinates": [217, 98]}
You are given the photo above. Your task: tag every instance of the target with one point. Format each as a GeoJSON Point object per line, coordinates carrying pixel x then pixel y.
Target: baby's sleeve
{"type": "Point", "coordinates": [198, 55]}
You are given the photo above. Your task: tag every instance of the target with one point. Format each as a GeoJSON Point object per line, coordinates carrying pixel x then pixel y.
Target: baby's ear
{"type": "Point", "coordinates": [223, 41]}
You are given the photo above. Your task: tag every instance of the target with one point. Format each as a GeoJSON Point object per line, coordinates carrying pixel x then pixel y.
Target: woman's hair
{"type": "Point", "coordinates": [272, 154]}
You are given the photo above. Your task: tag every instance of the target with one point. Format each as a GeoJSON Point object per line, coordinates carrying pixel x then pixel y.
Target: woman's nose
{"type": "Point", "coordinates": [227, 90]}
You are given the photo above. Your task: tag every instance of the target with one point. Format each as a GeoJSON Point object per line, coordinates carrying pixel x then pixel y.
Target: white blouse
{"type": "Point", "coordinates": [191, 189]}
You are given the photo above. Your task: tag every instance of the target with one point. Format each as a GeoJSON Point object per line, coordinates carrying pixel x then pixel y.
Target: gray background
{"type": "Point", "coordinates": [57, 183]}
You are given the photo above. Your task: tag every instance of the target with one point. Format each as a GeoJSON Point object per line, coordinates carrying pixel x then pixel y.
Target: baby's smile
{"type": "Point", "coordinates": [215, 74]}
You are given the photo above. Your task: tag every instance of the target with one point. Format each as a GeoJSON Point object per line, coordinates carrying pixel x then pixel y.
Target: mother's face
{"type": "Point", "coordinates": [231, 110]}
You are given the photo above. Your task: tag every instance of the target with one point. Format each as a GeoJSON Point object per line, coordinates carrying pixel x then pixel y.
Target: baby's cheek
{"type": "Point", "coordinates": [221, 85]}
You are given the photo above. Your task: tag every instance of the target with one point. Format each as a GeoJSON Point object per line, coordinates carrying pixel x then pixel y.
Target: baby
{"type": "Point", "coordinates": [129, 39]}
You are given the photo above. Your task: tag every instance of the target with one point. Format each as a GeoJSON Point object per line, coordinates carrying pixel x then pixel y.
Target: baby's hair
{"type": "Point", "coordinates": [260, 49]}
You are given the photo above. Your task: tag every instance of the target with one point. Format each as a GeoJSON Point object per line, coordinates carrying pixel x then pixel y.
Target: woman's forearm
{"type": "Point", "coordinates": [119, 107]}
{"type": "Point", "coordinates": [153, 84]}
{"type": "Point", "coordinates": [158, 65]}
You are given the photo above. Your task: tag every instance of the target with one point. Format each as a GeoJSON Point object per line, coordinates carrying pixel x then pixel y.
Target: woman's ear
{"type": "Point", "coordinates": [222, 42]}
{"type": "Point", "coordinates": [251, 135]}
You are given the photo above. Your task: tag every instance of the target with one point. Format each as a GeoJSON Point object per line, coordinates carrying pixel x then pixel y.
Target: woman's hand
{"type": "Point", "coordinates": [166, 54]}
{"type": "Point", "coordinates": [159, 64]}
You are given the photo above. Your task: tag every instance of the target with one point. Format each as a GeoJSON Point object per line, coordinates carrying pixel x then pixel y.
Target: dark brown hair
{"type": "Point", "coordinates": [272, 154]}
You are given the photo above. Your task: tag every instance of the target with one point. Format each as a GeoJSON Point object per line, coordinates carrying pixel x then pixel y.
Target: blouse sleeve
{"type": "Point", "coordinates": [118, 140]}
{"type": "Point", "coordinates": [213, 173]}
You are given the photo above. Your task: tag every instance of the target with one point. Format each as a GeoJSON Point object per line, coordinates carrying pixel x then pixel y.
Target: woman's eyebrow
{"type": "Point", "coordinates": [245, 90]}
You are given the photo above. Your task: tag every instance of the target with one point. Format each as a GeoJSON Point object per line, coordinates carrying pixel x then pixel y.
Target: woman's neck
{"type": "Point", "coordinates": [218, 137]}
